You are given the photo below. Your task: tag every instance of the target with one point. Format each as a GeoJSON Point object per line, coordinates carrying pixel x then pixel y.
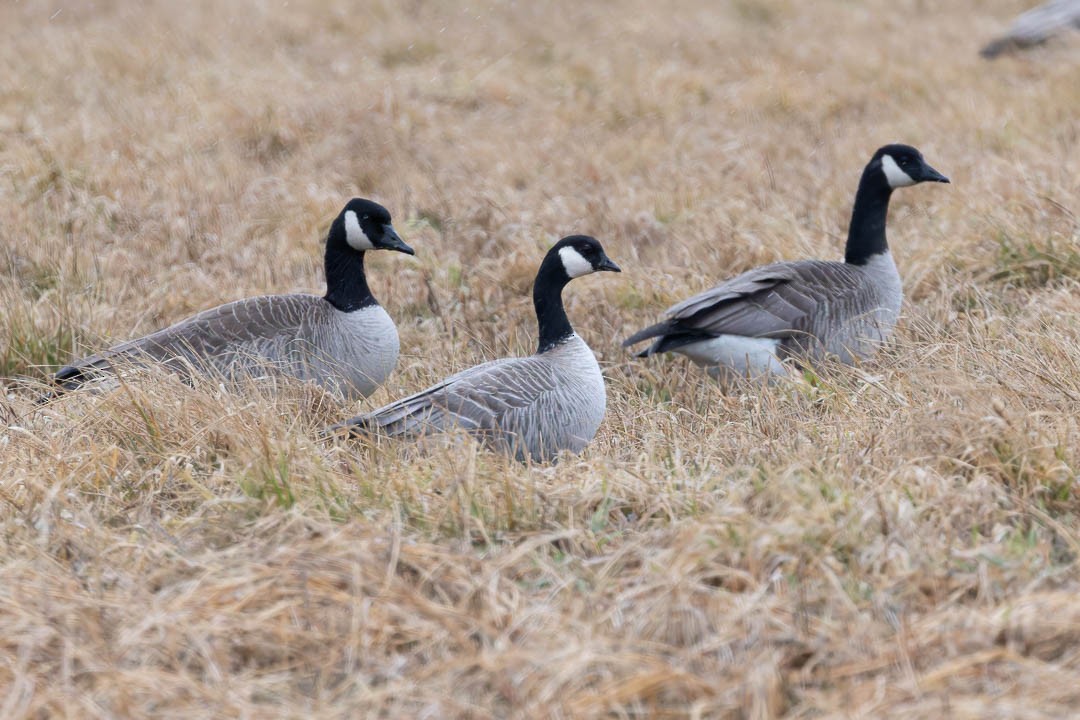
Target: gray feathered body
{"type": "Point", "coordinates": [531, 407]}
{"type": "Point", "coordinates": [299, 335]}
{"type": "Point", "coordinates": [1036, 26]}
{"type": "Point", "coordinates": [806, 309]}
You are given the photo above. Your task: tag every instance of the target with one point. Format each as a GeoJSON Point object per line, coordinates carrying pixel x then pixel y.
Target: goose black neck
{"type": "Point", "coordinates": [547, 299]}
{"type": "Point", "coordinates": [866, 234]}
{"type": "Point", "coordinates": [346, 285]}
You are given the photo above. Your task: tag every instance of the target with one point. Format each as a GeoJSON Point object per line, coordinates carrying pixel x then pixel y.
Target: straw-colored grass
{"type": "Point", "coordinates": [899, 539]}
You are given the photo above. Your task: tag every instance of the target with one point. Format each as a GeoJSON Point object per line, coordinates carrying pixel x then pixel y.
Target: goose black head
{"type": "Point", "coordinates": [570, 258]}
{"type": "Point", "coordinates": [582, 255]}
{"type": "Point", "coordinates": [903, 165]}
{"type": "Point", "coordinates": [366, 226]}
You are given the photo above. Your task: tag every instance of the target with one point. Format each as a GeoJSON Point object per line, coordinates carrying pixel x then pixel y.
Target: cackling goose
{"type": "Point", "coordinates": [811, 308]}
{"type": "Point", "coordinates": [343, 341]}
{"type": "Point", "coordinates": [531, 407]}
{"type": "Point", "coordinates": [1035, 26]}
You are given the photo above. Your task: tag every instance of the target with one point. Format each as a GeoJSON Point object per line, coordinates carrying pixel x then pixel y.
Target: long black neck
{"type": "Point", "coordinates": [346, 284]}
{"type": "Point", "coordinates": [547, 299]}
{"type": "Point", "coordinates": [866, 234]}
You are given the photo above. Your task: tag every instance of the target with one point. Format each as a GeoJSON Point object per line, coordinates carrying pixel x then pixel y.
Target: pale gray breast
{"type": "Point", "coordinates": [352, 352]}
{"type": "Point", "coordinates": [856, 310]}
{"type": "Point", "coordinates": [567, 416]}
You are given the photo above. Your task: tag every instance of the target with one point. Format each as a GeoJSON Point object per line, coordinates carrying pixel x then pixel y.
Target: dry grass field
{"type": "Point", "coordinates": [895, 540]}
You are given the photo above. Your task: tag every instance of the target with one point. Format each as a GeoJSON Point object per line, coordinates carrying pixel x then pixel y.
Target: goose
{"type": "Point", "coordinates": [1035, 27]}
{"type": "Point", "coordinates": [343, 341]}
{"type": "Point", "coordinates": [749, 325]}
{"type": "Point", "coordinates": [530, 407]}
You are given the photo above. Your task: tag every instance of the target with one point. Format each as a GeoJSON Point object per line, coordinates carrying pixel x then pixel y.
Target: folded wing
{"type": "Point", "coordinates": [246, 331]}
{"type": "Point", "coordinates": [495, 396]}
{"type": "Point", "coordinates": [779, 301]}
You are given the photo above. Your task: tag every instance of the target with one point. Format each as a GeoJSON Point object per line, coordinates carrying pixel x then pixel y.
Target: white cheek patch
{"type": "Point", "coordinates": [574, 264]}
{"type": "Point", "coordinates": [355, 235]}
{"type": "Point", "coordinates": [893, 174]}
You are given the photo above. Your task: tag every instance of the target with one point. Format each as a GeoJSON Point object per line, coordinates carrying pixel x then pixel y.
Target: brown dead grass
{"type": "Point", "coordinates": [896, 540]}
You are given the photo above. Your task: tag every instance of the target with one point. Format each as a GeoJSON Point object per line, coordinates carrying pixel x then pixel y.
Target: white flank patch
{"type": "Point", "coordinates": [747, 356]}
{"type": "Point", "coordinates": [893, 173]}
{"type": "Point", "coordinates": [355, 235]}
{"type": "Point", "coordinates": [574, 263]}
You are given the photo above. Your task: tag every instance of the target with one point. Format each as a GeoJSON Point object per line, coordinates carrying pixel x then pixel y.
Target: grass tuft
{"type": "Point", "coordinates": [1031, 264]}
{"type": "Point", "coordinates": [30, 350]}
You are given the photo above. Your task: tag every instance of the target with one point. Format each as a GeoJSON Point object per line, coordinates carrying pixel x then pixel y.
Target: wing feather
{"type": "Point", "coordinates": [782, 300]}
{"type": "Point", "coordinates": [486, 397]}
{"type": "Point", "coordinates": [258, 326]}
